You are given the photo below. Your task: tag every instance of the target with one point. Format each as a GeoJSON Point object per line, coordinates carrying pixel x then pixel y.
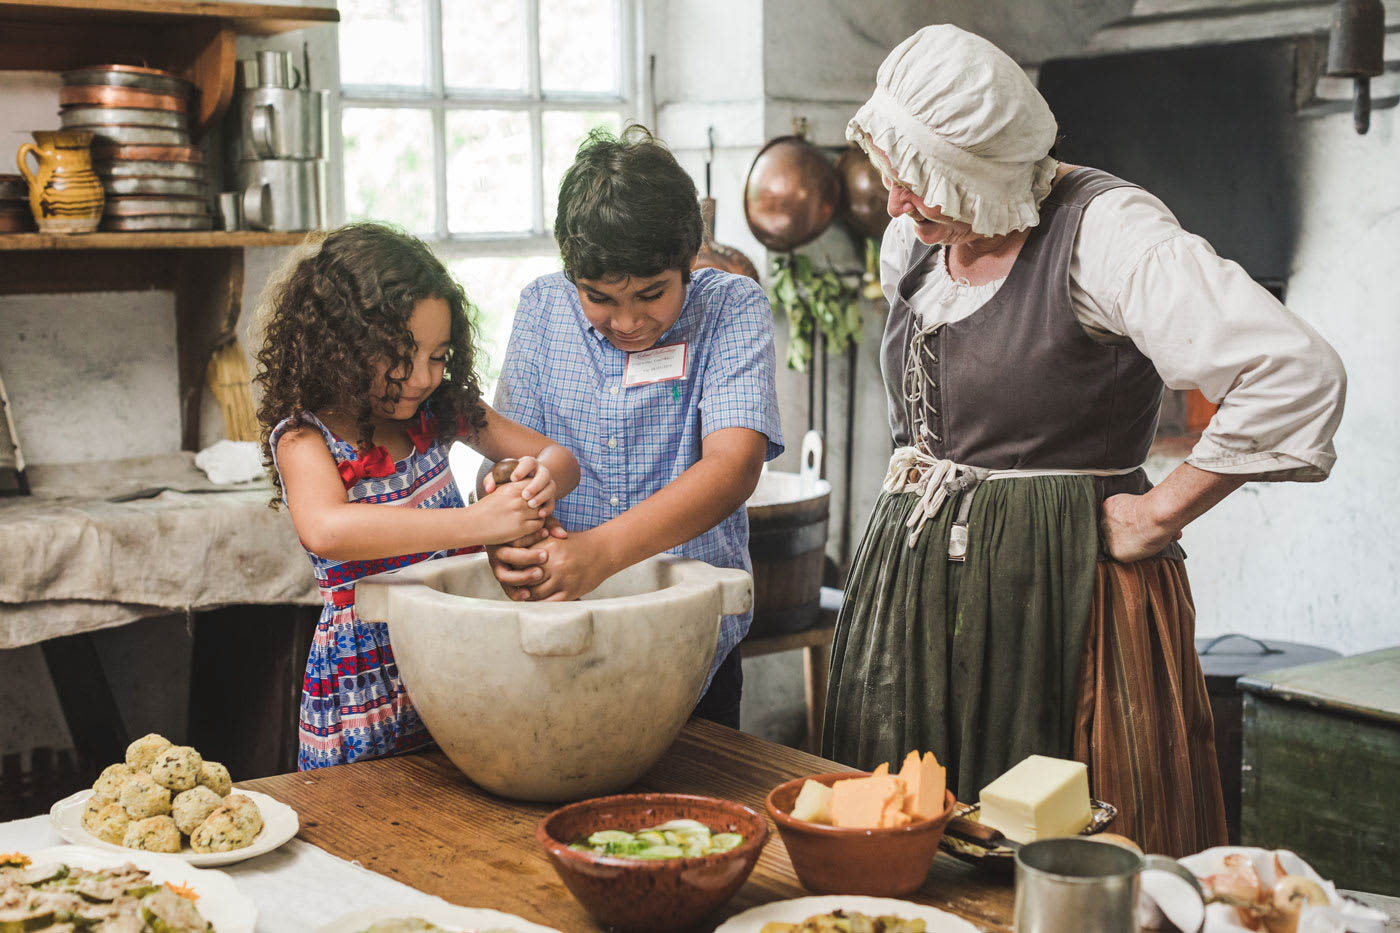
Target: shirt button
{"type": "Point", "coordinates": [613, 390]}
{"type": "Point", "coordinates": [612, 442]}
{"type": "Point", "coordinates": [613, 500]}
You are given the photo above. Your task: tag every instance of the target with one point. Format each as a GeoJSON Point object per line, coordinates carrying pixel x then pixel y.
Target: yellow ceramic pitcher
{"type": "Point", "coordinates": [65, 193]}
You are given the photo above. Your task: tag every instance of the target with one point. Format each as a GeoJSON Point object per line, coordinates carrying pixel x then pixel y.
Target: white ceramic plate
{"type": "Point", "coordinates": [220, 902]}
{"type": "Point", "coordinates": [449, 916]}
{"type": "Point", "coordinates": [795, 911]}
{"type": "Point", "coordinates": [279, 824]}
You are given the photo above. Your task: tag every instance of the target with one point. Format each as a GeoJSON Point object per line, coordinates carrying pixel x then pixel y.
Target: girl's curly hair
{"type": "Point", "coordinates": [346, 307]}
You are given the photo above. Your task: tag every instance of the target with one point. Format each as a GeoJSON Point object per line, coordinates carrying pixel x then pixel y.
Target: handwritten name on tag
{"type": "Point", "coordinates": [659, 364]}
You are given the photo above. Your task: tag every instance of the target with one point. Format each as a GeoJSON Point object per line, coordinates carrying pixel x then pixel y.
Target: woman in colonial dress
{"type": "Point", "coordinates": [1019, 589]}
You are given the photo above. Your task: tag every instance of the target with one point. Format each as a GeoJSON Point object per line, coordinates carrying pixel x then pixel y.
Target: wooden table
{"type": "Point", "coordinates": [416, 819]}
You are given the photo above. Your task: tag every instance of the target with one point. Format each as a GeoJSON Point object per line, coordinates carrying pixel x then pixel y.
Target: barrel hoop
{"type": "Point", "coordinates": [787, 542]}
{"type": "Point", "coordinates": [785, 621]}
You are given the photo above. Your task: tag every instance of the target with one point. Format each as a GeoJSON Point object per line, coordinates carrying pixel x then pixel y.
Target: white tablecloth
{"type": "Point", "coordinates": [297, 887]}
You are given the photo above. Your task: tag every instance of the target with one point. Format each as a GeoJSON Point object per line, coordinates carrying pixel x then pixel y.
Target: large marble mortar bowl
{"type": "Point", "coordinates": [554, 701]}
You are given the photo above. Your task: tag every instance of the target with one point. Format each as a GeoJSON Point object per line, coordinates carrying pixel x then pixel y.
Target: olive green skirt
{"type": "Point", "coordinates": [975, 661]}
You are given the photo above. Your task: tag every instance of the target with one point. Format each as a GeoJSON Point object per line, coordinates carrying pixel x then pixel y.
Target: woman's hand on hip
{"type": "Point", "coordinates": [1130, 530]}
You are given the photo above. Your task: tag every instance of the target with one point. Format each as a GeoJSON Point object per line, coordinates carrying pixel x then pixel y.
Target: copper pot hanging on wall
{"type": "Point", "coordinates": [791, 194]}
{"type": "Point", "coordinates": [864, 201]}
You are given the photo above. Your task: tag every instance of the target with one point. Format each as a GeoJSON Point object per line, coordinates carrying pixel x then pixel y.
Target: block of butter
{"type": "Point", "coordinates": [1039, 798]}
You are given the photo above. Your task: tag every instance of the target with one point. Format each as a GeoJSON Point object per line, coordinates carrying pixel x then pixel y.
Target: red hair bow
{"type": "Point", "coordinates": [374, 462]}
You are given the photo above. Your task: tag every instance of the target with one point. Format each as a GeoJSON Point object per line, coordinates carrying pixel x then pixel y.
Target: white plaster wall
{"type": "Point", "coordinates": [91, 376]}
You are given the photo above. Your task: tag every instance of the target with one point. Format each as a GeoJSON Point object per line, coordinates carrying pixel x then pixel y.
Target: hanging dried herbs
{"type": "Point", "coordinates": [815, 301]}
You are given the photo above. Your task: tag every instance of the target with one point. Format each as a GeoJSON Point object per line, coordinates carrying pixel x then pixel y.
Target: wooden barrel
{"type": "Point", "coordinates": [787, 541]}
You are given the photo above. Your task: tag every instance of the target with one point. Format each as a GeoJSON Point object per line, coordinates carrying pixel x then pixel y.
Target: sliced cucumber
{"type": "Point", "coordinates": [726, 841]}
{"type": "Point", "coordinates": [610, 837]}
{"type": "Point", "coordinates": [656, 852]}
{"type": "Point", "coordinates": [683, 826]}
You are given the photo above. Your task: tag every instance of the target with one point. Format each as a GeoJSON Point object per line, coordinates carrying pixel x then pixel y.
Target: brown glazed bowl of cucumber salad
{"type": "Point", "coordinates": [653, 862]}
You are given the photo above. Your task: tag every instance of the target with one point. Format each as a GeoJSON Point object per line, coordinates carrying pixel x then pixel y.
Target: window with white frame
{"type": "Point", "coordinates": [460, 117]}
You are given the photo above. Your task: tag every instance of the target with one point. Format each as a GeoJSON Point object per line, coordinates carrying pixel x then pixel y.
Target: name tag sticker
{"type": "Point", "coordinates": [659, 364]}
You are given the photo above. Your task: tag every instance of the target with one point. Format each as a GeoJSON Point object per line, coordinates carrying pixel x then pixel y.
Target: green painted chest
{"type": "Point", "coordinates": [1321, 772]}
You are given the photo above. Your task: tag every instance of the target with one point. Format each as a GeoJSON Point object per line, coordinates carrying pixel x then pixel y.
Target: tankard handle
{"type": "Point", "coordinates": [22, 160]}
{"type": "Point", "coordinates": [264, 130]}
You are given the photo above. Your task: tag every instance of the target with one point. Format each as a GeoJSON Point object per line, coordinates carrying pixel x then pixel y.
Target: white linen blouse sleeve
{"type": "Point", "coordinates": [1207, 325]}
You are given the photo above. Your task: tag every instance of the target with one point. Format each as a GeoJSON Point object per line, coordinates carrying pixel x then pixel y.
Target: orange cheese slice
{"type": "Point", "coordinates": [868, 803]}
{"type": "Point", "coordinates": [925, 781]}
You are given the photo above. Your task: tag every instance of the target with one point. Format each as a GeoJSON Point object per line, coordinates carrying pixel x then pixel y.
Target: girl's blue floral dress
{"type": "Point", "coordinates": [353, 705]}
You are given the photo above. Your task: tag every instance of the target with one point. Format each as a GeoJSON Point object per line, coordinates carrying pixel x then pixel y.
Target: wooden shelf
{"type": "Point", "coordinates": [192, 39]}
{"type": "Point", "coordinates": [215, 239]}
{"type": "Point", "coordinates": [254, 19]}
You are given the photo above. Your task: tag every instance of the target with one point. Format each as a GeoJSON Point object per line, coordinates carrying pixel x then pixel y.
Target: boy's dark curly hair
{"type": "Point", "coordinates": [626, 207]}
{"type": "Point", "coordinates": [347, 306]}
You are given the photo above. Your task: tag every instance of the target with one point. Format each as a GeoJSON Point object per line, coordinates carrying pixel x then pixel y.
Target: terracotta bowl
{"type": "Point", "coordinates": [652, 896]}
{"type": "Point", "coordinates": [836, 860]}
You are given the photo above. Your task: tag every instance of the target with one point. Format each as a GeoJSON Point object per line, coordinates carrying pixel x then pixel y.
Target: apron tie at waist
{"type": "Point", "coordinates": [934, 480]}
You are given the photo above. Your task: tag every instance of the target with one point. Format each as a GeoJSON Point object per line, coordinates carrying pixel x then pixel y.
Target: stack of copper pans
{"type": "Point", "coordinates": [15, 215]}
{"type": "Point", "coordinates": [139, 117]}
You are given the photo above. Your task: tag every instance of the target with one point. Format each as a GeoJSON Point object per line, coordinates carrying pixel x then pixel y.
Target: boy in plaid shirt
{"type": "Point", "coordinates": [659, 380]}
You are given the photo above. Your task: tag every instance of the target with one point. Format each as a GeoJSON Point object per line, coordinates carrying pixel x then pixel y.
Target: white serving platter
{"type": "Point", "coordinates": [220, 902]}
{"type": "Point", "coordinates": [279, 824]}
{"type": "Point", "coordinates": [440, 912]}
{"type": "Point", "coordinates": [799, 909]}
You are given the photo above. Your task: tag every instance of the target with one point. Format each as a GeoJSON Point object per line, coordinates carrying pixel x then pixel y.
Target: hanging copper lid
{"type": "Point", "coordinates": [864, 201]}
{"type": "Point", "coordinates": [791, 194]}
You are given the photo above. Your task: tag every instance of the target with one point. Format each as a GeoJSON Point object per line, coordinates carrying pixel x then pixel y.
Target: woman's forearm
{"type": "Point", "coordinates": [1188, 493]}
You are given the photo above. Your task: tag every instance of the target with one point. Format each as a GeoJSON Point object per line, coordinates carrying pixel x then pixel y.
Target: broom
{"type": "Point", "coordinates": [228, 378]}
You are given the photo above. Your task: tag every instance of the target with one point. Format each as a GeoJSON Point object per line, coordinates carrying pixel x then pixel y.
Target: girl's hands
{"type": "Point", "coordinates": [505, 515]}
{"type": "Point", "coordinates": [539, 490]}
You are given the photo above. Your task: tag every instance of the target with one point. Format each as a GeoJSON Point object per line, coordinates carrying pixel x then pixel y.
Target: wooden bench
{"type": "Point", "coordinates": [815, 644]}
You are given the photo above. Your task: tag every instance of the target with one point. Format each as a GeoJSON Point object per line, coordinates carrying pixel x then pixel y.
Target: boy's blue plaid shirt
{"type": "Point", "coordinates": [562, 378]}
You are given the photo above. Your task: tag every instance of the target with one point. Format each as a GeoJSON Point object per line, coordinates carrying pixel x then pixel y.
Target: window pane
{"type": "Point", "coordinates": [564, 130]}
{"type": "Point", "coordinates": [493, 284]}
{"type": "Point", "coordinates": [488, 171]}
{"type": "Point", "coordinates": [484, 44]}
{"type": "Point", "coordinates": [382, 42]}
{"type": "Point", "coordinates": [389, 166]}
{"type": "Point", "coordinates": [579, 44]}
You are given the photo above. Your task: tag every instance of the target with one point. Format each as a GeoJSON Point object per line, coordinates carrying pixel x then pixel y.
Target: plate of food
{"type": "Point", "coordinates": [431, 916]}
{"type": "Point", "coordinates": [68, 887]}
{"type": "Point", "coordinates": [1038, 798]}
{"type": "Point", "coordinates": [166, 798]}
{"type": "Point", "coordinates": [838, 913]}
{"type": "Point", "coordinates": [1251, 889]}
{"type": "Point", "coordinates": [1001, 857]}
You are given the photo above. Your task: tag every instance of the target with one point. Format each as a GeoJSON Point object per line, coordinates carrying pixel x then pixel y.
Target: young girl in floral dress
{"type": "Point", "coordinates": [367, 377]}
